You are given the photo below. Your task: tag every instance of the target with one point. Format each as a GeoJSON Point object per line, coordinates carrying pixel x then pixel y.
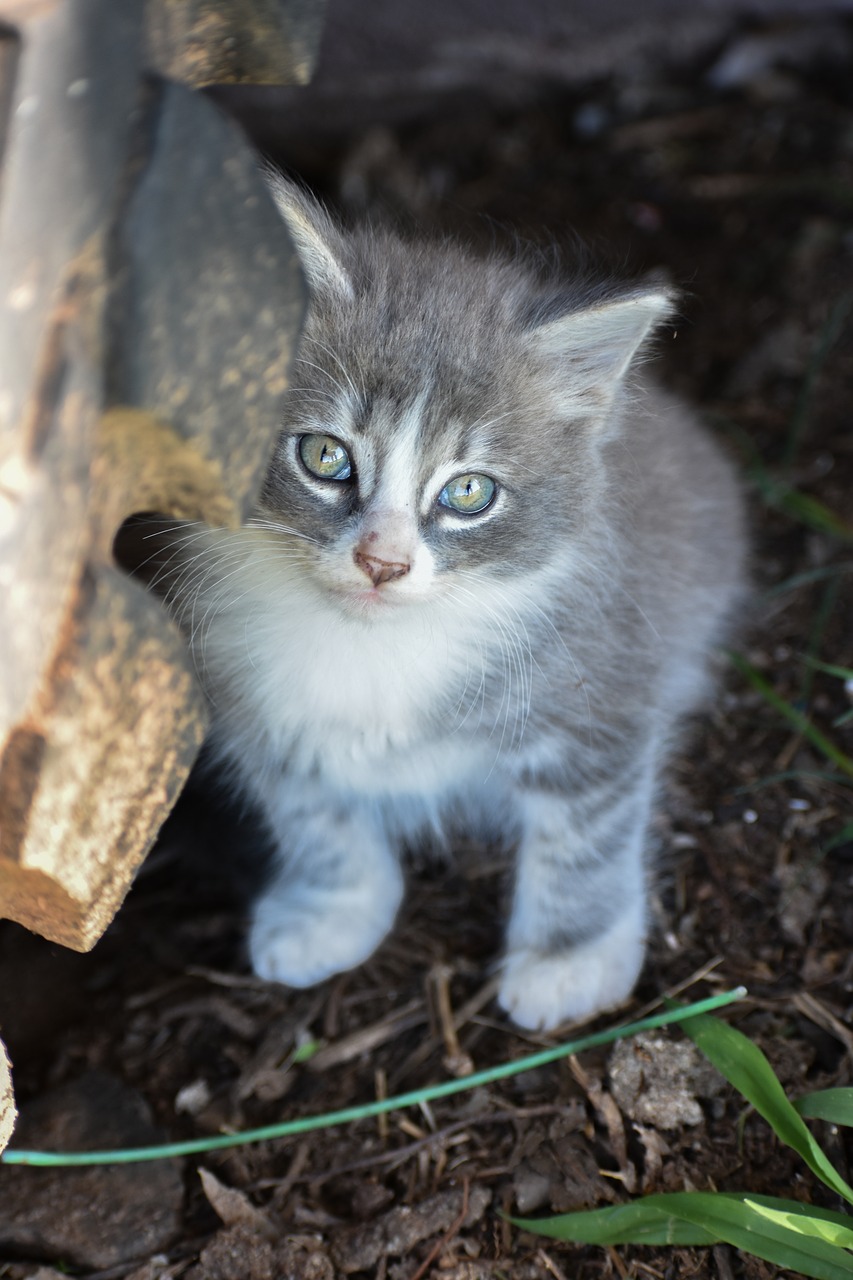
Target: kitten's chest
{"type": "Point", "coordinates": [366, 702]}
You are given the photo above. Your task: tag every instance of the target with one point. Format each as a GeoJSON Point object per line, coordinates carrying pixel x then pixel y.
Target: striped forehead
{"type": "Point", "coordinates": [393, 481]}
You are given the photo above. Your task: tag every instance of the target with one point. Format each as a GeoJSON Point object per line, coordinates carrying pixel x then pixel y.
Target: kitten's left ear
{"type": "Point", "coordinates": [315, 236]}
{"type": "Point", "coordinates": [596, 345]}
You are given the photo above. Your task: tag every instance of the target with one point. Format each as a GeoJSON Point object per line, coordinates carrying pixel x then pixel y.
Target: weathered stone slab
{"type": "Point", "coordinates": [107, 1215]}
{"type": "Point", "coordinates": [210, 297]}
{"type": "Point", "coordinates": [201, 42]}
{"type": "Point", "coordinates": [149, 308]}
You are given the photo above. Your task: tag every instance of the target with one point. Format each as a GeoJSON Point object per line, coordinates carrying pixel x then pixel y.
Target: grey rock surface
{"type": "Point", "coordinates": [659, 1081]}
{"type": "Point", "coordinates": [95, 1217]}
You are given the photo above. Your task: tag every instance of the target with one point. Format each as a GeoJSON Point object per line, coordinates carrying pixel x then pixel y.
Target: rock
{"type": "Point", "coordinates": [531, 1189]}
{"type": "Point", "coordinates": [657, 1081]}
{"type": "Point", "coordinates": [397, 1232]}
{"type": "Point", "coordinates": [156, 1268]}
{"type": "Point", "coordinates": [97, 1217]}
{"type": "Point", "coordinates": [240, 1253]}
{"type": "Point", "coordinates": [234, 1207]}
{"type": "Point", "coordinates": [803, 890]}
{"type": "Point", "coordinates": [237, 1253]}
{"type": "Point", "coordinates": [553, 1167]}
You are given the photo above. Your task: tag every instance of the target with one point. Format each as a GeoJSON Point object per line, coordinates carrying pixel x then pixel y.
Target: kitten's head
{"type": "Point", "coordinates": [446, 424]}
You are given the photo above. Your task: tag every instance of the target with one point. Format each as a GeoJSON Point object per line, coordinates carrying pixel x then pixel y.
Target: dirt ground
{"type": "Point", "coordinates": [744, 194]}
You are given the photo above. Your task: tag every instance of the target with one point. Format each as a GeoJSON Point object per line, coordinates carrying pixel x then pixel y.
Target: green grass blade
{"type": "Point", "coordinates": [844, 836]}
{"type": "Point", "coordinates": [817, 633]}
{"type": "Point", "coordinates": [791, 775]}
{"type": "Point", "coordinates": [808, 511]}
{"type": "Point", "coordinates": [780, 495]}
{"type": "Point", "coordinates": [647, 1221]}
{"type": "Point", "coordinates": [807, 577]}
{"type": "Point", "coordinates": [745, 1066]}
{"type": "Point", "coordinates": [800, 721]}
{"type": "Point", "coordinates": [834, 1105]}
{"type": "Point", "coordinates": [805, 1223]}
{"type": "Point", "coordinates": [415, 1098]}
{"type": "Point", "coordinates": [782, 1232]}
{"type": "Point", "coordinates": [844, 673]}
{"type": "Point", "coordinates": [743, 1222]}
{"type": "Point", "coordinates": [829, 335]}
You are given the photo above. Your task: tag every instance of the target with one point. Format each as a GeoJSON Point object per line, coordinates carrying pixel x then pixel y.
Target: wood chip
{"type": "Point", "coordinates": [366, 1039]}
{"type": "Point", "coordinates": [456, 1062]}
{"type": "Point", "coordinates": [234, 1207]}
{"type": "Point", "coordinates": [397, 1232]}
{"type": "Point", "coordinates": [7, 1099]}
{"type": "Point", "coordinates": [611, 1117]}
{"type": "Point", "coordinates": [816, 1012]}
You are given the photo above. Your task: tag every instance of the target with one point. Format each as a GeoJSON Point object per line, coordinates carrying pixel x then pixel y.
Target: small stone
{"type": "Point", "coordinates": [192, 1098]}
{"type": "Point", "coordinates": [397, 1232]}
{"type": "Point", "coordinates": [658, 1081]}
{"type": "Point", "coordinates": [157, 1268]}
{"type": "Point", "coordinates": [98, 1216]}
{"type": "Point", "coordinates": [803, 889]}
{"type": "Point", "coordinates": [235, 1253]}
{"type": "Point", "coordinates": [531, 1189]}
{"type": "Point", "coordinates": [239, 1253]}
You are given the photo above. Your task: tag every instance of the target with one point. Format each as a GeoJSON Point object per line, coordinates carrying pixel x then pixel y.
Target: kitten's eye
{"type": "Point", "coordinates": [468, 494]}
{"type": "Point", "coordinates": [325, 457]}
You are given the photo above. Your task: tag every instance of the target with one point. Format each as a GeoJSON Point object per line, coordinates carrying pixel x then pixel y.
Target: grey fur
{"type": "Point", "coordinates": [530, 670]}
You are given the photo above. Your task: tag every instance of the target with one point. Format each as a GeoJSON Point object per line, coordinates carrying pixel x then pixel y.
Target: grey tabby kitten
{"type": "Point", "coordinates": [479, 589]}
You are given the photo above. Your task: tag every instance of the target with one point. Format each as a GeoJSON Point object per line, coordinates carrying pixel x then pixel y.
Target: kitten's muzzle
{"type": "Point", "coordinates": [379, 571]}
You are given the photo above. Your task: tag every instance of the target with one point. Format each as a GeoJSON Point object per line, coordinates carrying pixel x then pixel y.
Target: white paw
{"type": "Point", "coordinates": [539, 991]}
{"type": "Point", "coordinates": [304, 937]}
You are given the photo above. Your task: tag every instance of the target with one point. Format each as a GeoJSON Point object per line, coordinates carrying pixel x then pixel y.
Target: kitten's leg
{"type": "Point", "coordinates": [335, 892]}
{"type": "Point", "coordinates": [576, 935]}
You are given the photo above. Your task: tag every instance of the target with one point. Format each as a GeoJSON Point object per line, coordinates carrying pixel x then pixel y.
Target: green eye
{"type": "Point", "coordinates": [325, 457]}
{"type": "Point", "coordinates": [468, 494]}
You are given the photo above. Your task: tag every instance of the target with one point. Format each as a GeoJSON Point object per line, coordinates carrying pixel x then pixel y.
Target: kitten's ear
{"type": "Point", "coordinates": [596, 345]}
{"type": "Point", "coordinates": [315, 236]}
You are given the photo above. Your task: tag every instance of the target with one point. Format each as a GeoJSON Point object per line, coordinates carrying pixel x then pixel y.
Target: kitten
{"type": "Point", "coordinates": [478, 591]}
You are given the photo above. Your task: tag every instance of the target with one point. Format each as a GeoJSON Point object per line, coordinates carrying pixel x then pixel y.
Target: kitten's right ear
{"type": "Point", "coordinates": [599, 342]}
{"type": "Point", "coordinates": [314, 234]}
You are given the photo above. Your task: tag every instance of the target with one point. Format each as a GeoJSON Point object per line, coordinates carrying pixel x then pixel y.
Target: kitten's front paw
{"type": "Point", "coordinates": [301, 937]}
{"type": "Point", "coordinates": [539, 991]}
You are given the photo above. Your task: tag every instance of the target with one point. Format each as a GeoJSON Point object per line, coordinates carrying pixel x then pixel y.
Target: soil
{"type": "Point", "coordinates": [745, 197]}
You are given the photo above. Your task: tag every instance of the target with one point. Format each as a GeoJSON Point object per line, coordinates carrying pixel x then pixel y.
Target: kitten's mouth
{"type": "Point", "coordinates": [367, 600]}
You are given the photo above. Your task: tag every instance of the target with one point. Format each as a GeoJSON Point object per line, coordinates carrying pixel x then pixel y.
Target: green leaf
{"type": "Point", "coordinates": [782, 1232]}
{"type": "Point", "coordinates": [650, 1220]}
{"type": "Point", "coordinates": [778, 493]}
{"type": "Point", "coordinates": [305, 1051]}
{"type": "Point", "coordinates": [804, 1223]}
{"type": "Point", "coordinates": [745, 1066]}
{"type": "Point", "coordinates": [791, 775]}
{"type": "Point", "coordinates": [841, 837]}
{"type": "Point", "coordinates": [831, 669]}
{"type": "Point", "coordinates": [834, 1105]}
{"type": "Point", "coordinates": [808, 511]}
{"type": "Point", "coordinates": [800, 721]}
{"type": "Point", "coordinates": [808, 576]}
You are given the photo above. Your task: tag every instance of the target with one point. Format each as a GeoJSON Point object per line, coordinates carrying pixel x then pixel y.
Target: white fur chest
{"type": "Point", "coordinates": [361, 701]}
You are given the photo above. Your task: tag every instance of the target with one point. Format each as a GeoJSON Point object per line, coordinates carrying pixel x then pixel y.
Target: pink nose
{"type": "Point", "coordinates": [379, 571]}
